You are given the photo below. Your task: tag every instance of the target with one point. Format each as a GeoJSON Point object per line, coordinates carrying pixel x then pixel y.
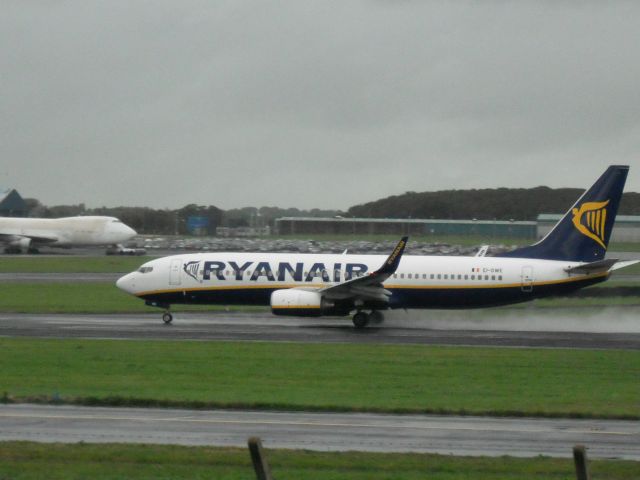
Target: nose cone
{"type": "Point", "coordinates": [127, 283]}
{"type": "Point", "coordinates": [125, 232]}
{"type": "Point", "coordinates": [130, 231]}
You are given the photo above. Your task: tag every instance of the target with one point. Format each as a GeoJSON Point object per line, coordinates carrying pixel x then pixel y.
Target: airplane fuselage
{"type": "Point", "coordinates": [419, 282]}
{"type": "Point", "coordinates": [63, 232]}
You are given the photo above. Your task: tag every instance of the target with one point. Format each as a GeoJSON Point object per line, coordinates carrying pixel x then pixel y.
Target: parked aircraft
{"type": "Point", "coordinates": [570, 257]}
{"type": "Point", "coordinates": [27, 234]}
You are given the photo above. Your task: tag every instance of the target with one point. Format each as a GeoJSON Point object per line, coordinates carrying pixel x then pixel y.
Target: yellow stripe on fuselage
{"type": "Point", "coordinates": [388, 287]}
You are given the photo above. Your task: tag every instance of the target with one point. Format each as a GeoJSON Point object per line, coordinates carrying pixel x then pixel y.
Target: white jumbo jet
{"type": "Point", "coordinates": [570, 257]}
{"type": "Point", "coordinates": [27, 234]}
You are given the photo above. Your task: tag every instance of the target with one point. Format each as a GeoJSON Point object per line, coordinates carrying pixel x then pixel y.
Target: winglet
{"type": "Point", "coordinates": [391, 264]}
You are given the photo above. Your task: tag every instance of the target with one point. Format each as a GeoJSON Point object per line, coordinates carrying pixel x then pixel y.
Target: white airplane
{"type": "Point", "coordinates": [27, 234]}
{"type": "Point", "coordinates": [570, 257]}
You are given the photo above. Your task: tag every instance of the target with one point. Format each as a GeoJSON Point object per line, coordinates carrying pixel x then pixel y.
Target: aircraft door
{"type": "Point", "coordinates": [527, 279]}
{"type": "Point", "coordinates": [175, 271]}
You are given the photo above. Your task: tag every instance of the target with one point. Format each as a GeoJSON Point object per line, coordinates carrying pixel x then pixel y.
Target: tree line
{"type": "Point", "coordinates": [485, 204]}
{"type": "Point", "coordinates": [149, 221]}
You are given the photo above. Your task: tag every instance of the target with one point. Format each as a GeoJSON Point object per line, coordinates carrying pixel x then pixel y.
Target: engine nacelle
{"type": "Point", "coordinates": [293, 301]}
{"type": "Point", "coordinates": [19, 244]}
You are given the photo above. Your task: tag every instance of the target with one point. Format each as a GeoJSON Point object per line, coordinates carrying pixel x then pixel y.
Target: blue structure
{"type": "Point", "coordinates": [198, 226]}
{"type": "Point", "coordinates": [12, 204]}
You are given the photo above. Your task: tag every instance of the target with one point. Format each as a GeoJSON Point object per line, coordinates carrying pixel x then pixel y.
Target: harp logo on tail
{"type": "Point", "coordinates": [590, 220]}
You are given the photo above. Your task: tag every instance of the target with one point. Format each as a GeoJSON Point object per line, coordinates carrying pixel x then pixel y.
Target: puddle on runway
{"type": "Point", "coordinates": [624, 319]}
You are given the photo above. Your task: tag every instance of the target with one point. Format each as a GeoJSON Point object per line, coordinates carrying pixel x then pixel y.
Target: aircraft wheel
{"type": "Point", "coordinates": [376, 316]}
{"type": "Point", "coordinates": [360, 319]}
{"type": "Point", "coordinates": [167, 318]}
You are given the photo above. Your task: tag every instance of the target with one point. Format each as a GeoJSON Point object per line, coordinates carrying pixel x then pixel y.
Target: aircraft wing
{"type": "Point", "coordinates": [368, 287]}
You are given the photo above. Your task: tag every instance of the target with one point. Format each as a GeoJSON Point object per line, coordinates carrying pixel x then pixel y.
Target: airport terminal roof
{"type": "Point", "coordinates": [401, 220]}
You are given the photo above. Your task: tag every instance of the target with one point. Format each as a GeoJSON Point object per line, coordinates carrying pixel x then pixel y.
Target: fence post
{"type": "Point", "coordinates": [580, 460]}
{"type": "Point", "coordinates": [260, 465]}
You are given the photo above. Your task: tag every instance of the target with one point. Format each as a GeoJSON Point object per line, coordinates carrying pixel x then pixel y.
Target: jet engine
{"type": "Point", "coordinates": [305, 303]}
{"type": "Point", "coordinates": [18, 245]}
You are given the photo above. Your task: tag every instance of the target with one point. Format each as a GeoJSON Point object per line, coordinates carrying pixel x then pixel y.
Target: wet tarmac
{"type": "Point", "coordinates": [521, 437]}
{"type": "Point", "coordinates": [610, 328]}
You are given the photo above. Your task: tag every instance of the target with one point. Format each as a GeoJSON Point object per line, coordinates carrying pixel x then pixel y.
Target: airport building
{"type": "Point", "coordinates": [12, 204]}
{"type": "Point", "coordinates": [626, 228]}
{"type": "Point", "coordinates": [401, 226]}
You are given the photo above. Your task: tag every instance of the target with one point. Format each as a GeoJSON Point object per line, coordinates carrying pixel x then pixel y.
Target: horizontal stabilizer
{"type": "Point", "coordinates": [626, 263]}
{"type": "Point", "coordinates": [609, 264]}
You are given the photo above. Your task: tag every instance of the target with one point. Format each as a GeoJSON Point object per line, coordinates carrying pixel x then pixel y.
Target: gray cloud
{"type": "Point", "coordinates": [312, 104]}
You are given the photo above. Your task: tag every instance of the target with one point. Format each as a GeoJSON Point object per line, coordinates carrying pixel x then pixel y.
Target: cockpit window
{"type": "Point", "coordinates": [145, 269]}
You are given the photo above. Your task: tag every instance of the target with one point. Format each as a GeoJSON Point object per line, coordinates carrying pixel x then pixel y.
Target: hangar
{"type": "Point", "coordinates": [12, 204]}
{"type": "Point", "coordinates": [627, 227]}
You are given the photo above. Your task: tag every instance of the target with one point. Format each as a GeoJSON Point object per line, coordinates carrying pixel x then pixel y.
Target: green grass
{"type": "Point", "coordinates": [88, 297]}
{"type": "Point", "coordinates": [496, 381]}
{"type": "Point", "coordinates": [624, 247]}
{"type": "Point", "coordinates": [31, 461]}
{"type": "Point", "coordinates": [71, 264]}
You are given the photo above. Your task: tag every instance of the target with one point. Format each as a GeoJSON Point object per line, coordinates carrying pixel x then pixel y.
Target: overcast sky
{"type": "Point", "coordinates": [312, 104]}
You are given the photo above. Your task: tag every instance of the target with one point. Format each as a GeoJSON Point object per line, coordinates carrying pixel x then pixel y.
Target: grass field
{"type": "Point", "coordinates": [88, 297]}
{"type": "Point", "coordinates": [34, 461]}
{"type": "Point", "coordinates": [497, 381]}
{"type": "Point", "coordinates": [70, 264]}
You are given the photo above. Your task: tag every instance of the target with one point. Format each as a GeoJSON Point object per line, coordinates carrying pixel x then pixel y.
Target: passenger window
{"type": "Point", "coordinates": [432, 276]}
{"type": "Point", "coordinates": [466, 277]}
{"type": "Point", "coordinates": [439, 276]}
{"type": "Point", "coordinates": [446, 277]}
{"type": "Point", "coordinates": [473, 277]}
{"type": "Point", "coordinates": [499, 277]}
{"type": "Point", "coordinates": [424, 276]}
{"type": "Point", "coordinates": [459, 277]}
{"type": "Point", "coordinates": [402, 275]}
{"type": "Point", "coordinates": [409, 275]}
{"type": "Point", "coordinates": [486, 277]}
{"type": "Point", "coordinates": [493, 277]}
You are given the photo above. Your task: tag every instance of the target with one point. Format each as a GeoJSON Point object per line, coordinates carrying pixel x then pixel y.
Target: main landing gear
{"type": "Point", "coordinates": [361, 319]}
{"type": "Point", "coordinates": [167, 318]}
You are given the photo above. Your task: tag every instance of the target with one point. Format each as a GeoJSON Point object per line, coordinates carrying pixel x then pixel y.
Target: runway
{"type": "Point", "coordinates": [610, 328]}
{"type": "Point", "coordinates": [325, 432]}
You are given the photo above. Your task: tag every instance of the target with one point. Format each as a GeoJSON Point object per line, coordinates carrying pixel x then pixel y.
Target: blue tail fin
{"type": "Point", "coordinates": [582, 235]}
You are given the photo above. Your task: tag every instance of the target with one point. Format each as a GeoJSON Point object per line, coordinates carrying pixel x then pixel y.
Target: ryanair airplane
{"type": "Point", "coordinates": [570, 257]}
